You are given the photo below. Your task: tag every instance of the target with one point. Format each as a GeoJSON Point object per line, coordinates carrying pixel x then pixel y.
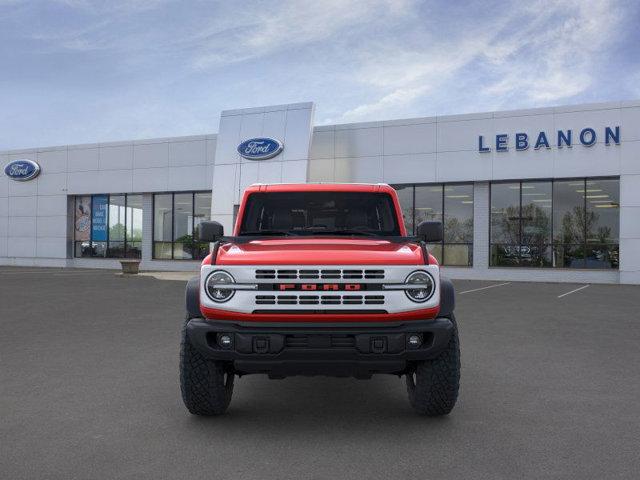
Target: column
{"type": "Point", "coordinates": [481, 216]}
{"type": "Point", "coordinates": [147, 227]}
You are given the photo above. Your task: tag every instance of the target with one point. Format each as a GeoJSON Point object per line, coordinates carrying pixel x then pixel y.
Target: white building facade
{"type": "Point", "coordinates": [549, 194]}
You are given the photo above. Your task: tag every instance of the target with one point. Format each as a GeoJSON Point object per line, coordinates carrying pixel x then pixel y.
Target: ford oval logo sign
{"type": "Point", "coordinates": [260, 148]}
{"type": "Point", "coordinates": [22, 170]}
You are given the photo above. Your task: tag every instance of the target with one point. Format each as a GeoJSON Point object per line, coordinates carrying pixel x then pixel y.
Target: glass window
{"type": "Point", "coordinates": [236, 210]}
{"type": "Point", "coordinates": [176, 219]}
{"type": "Point", "coordinates": [458, 214]}
{"type": "Point", "coordinates": [134, 226]}
{"type": "Point", "coordinates": [564, 223]}
{"type": "Point", "coordinates": [568, 211]}
{"type": "Point", "coordinates": [117, 220]}
{"type": "Point", "coordinates": [505, 224]}
{"type": "Point", "coordinates": [428, 203]}
{"type": "Point", "coordinates": [405, 195]}
{"type": "Point", "coordinates": [505, 213]}
{"type": "Point", "coordinates": [428, 206]}
{"type": "Point", "coordinates": [603, 223]}
{"type": "Point", "coordinates": [108, 226]}
{"type": "Point", "coordinates": [569, 223]}
{"type": "Point", "coordinates": [535, 243]}
{"type": "Point", "coordinates": [182, 225]}
{"type": "Point", "coordinates": [82, 226]}
{"type": "Point", "coordinates": [99, 225]}
{"type": "Point", "coordinates": [603, 211]}
{"type": "Point", "coordinates": [458, 225]}
{"type": "Point", "coordinates": [451, 204]}
{"type": "Point", "coordinates": [162, 225]}
{"type": "Point", "coordinates": [201, 213]}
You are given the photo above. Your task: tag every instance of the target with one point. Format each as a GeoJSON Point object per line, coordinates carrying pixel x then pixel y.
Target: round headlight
{"type": "Point", "coordinates": [425, 286]}
{"type": "Point", "coordinates": [213, 286]}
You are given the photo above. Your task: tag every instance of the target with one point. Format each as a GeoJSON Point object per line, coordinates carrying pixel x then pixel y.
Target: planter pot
{"type": "Point", "coordinates": [130, 266]}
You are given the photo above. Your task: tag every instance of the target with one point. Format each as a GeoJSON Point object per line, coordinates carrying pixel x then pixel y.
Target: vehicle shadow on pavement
{"type": "Point", "coordinates": [309, 401]}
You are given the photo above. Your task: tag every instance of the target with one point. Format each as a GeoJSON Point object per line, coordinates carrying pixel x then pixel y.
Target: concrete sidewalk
{"type": "Point", "coordinates": [177, 276]}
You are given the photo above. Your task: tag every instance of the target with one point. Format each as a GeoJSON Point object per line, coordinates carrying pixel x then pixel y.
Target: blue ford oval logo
{"type": "Point", "coordinates": [260, 148]}
{"type": "Point", "coordinates": [22, 170]}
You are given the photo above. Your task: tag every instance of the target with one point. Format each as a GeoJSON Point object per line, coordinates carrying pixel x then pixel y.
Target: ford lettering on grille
{"type": "Point", "coordinates": [324, 287]}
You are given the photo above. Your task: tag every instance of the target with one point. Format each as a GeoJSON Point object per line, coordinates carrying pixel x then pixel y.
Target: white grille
{"type": "Point", "coordinates": [345, 299]}
{"type": "Point", "coordinates": [319, 274]}
{"type": "Point", "coordinates": [268, 297]}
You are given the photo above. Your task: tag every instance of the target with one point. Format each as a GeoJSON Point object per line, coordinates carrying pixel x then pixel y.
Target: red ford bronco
{"type": "Point", "coordinates": [320, 279]}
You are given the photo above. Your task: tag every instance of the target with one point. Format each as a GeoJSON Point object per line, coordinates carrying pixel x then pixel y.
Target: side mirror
{"type": "Point", "coordinates": [210, 231]}
{"type": "Point", "coordinates": [430, 232]}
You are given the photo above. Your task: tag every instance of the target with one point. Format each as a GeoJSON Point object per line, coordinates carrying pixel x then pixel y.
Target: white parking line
{"type": "Point", "coordinates": [56, 273]}
{"type": "Point", "coordinates": [573, 291]}
{"type": "Point", "coordinates": [21, 271]}
{"type": "Point", "coordinates": [485, 288]}
{"type": "Point", "coordinates": [34, 272]}
{"type": "Point", "coordinates": [69, 274]}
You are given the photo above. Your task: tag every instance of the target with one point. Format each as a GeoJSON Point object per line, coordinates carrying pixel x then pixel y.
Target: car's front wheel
{"type": "Point", "coordinates": [206, 385]}
{"type": "Point", "coordinates": [433, 385]}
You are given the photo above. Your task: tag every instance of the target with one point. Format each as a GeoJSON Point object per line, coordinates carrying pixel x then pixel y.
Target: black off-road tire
{"type": "Point", "coordinates": [206, 385]}
{"type": "Point", "coordinates": [433, 385]}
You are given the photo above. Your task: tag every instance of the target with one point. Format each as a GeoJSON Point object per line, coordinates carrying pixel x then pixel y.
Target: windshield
{"type": "Point", "coordinates": [320, 213]}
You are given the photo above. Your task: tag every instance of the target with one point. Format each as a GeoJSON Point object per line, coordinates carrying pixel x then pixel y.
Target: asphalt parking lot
{"type": "Point", "coordinates": [89, 389]}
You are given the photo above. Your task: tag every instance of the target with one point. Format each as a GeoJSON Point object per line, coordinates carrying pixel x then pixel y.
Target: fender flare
{"type": "Point", "coordinates": [447, 298]}
{"type": "Point", "coordinates": [192, 298]}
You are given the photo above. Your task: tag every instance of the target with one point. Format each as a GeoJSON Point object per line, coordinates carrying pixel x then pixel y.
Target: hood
{"type": "Point", "coordinates": [320, 251]}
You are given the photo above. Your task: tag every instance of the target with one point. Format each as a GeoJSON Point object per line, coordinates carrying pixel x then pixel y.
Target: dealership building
{"type": "Point", "coordinates": [548, 194]}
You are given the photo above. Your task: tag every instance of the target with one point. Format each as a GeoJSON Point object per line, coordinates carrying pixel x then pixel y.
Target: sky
{"type": "Point", "coordinates": [80, 71]}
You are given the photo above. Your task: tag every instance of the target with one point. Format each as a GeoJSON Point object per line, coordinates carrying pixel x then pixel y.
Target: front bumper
{"type": "Point", "coordinates": [343, 350]}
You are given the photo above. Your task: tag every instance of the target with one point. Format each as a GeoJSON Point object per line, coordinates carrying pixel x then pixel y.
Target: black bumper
{"type": "Point", "coordinates": [354, 350]}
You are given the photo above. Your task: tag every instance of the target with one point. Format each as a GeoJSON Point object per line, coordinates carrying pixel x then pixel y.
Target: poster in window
{"type": "Point", "coordinates": [83, 219]}
{"type": "Point", "coordinates": [99, 218]}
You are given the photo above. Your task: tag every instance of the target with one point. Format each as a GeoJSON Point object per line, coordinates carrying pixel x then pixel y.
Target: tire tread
{"type": "Point", "coordinates": [202, 381]}
{"type": "Point", "coordinates": [438, 381]}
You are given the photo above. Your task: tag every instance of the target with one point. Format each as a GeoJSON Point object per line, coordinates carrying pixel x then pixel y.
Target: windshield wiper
{"type": "Point", "coordinates": [257, 233]}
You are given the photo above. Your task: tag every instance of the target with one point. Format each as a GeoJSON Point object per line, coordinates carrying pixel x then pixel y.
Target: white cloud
{"type": "Point", "coordinates": [633, 84]}
{"type": "Point", "coordinates": [397, 98]}
{"type": "Point", "coordinates": [254, 33]}
{"type": "Point", "coordinates": [404, 77]}
{"type": "Point", "coordinates": [159, 68]}
{"type": "Point", "coordinates": [555, 63]}
{"type": "Point", "coordinates": [544, 52]}
{"type": "Point", "coordinates": [120, 6]}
